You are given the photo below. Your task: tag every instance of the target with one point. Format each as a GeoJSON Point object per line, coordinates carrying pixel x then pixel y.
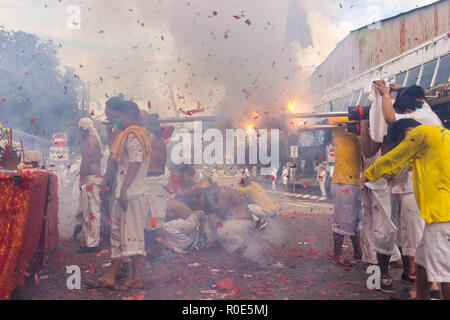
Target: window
{"type": "Point", "coordinates": [326, 107]}
{"type": "Point", "coordinates": [347, 101]}
{"type": "Point", "coordinates": [364, 99]}
{"type": "Point", "coordinates": [355, 99]}
{"type": "Point", "coordinates": [444, 70]}
{"type": "Point", "coordinates": [339, 104]}
{"type": "Point", "coordinates": [427, 74]}
{"type": "Point", "coordinates": [344, 105]}
{"type": "Point", "coordinates": [333, 105]}
{"type": "Point", "coordinates": [400, 78]}
{"type": "Point", "coordinates": [413, 76]}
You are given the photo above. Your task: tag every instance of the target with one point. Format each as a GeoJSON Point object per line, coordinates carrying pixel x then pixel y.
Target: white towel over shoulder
{"type": "Point", "coordinates": [378, 125]}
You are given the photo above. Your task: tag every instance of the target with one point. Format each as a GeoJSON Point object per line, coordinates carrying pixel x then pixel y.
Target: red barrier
{"type": "Point", "coordinates": [28, 225]}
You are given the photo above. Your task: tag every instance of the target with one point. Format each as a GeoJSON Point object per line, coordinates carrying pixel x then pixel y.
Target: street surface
{"type": "Point", "coordinates": [287, 260]}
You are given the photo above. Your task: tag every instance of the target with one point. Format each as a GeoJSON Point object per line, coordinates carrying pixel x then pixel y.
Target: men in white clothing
{"type": "Point", "coordinates": [130, 154]}
{"type": "Point", "coordinates": [322, 178]}
{"type": "Point", "coordinates": [90, 184]}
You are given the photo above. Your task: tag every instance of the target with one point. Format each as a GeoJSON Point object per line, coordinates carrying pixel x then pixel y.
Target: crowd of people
{"type": "Point", "coordinates": [390, 193]}
{"type": "Point", "coordinates": [146, 211]}
{"type": "Point", "coordinates": [404, 191]}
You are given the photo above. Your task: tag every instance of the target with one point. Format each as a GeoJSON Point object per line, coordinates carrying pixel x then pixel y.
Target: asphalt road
{"type": "Point", "coordinates": [288, 260]}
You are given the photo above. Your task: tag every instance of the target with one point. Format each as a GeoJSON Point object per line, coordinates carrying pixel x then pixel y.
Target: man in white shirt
{"type": "Point", "coordinates": [131, 156]}
{"type": "Point", "coordinates": [285, 176]}
{"type": "Point", "coordinates": [322, 179]}
{"type": "Point", "coordinates": [410, 104]}
{"type": "Point", "coordinates": [274, 177]}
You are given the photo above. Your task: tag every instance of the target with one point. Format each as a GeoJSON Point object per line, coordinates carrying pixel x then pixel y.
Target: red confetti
{"type": "Point", "coordinates": [102, 252]}
{"type": "Point", "coordinates": [90, 188]}
{"type": "Point", "coordinates": [226, 284]}
{"type": "Point", "coordinates": [32, 119]}
{"type": "Point", "coordinates": [193, 111]}
{"type": "Point", "coordinates": [346, 191]}
{"type": "Point", "coordinates": [141, 296]}
{"type": "Point", "coordinates": [248, 22]}
{"type": "Point", "coordinates": [153, 222]}
{"type": "Point", "coordinates": [164, 242]}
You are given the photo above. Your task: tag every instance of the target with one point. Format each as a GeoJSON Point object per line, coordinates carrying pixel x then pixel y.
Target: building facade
{"type": "Point", "coordinates": [410, 48]}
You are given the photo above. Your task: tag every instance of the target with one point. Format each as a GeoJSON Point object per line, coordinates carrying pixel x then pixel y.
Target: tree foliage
{"type": "Point", "coordinates": [37, 95]}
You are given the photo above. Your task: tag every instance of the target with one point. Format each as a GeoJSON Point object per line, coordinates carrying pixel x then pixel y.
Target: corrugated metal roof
{"type": "Point", "coordinates": [367, 27]}
{"type": "Point", "coordinates": [401, 14]}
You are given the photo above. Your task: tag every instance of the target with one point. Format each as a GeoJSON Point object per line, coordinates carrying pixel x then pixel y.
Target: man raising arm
{"type": "Point", "coordinates": [426, 149]}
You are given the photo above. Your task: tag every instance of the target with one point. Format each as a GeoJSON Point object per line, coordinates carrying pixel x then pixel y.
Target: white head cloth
{"type": "Point", "coordinates": [88, 124]}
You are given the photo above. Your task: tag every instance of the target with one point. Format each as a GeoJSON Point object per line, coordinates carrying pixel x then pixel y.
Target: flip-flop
{"type": "Point", "coordinates": [99, 284]}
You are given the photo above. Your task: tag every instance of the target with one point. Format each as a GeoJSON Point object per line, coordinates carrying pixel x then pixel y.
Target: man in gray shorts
{"type": "Point", "coordinates": [345, 188]}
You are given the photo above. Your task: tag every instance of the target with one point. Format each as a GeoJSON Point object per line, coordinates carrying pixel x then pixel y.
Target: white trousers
{"type": "Point", "coordinates": [157, 198]}
{"type": "Point", "coordinates": [259, 213]}
{"type": "Point", "coordinates": [127, 228]}
{"type": "Point", "coordinates": [411, 226]}
{"type": "Point", "coordinates": [180, 233]}
{"type": "Point", "coordinates": [433, 251]}
{"type": "Point", "coordinates": [322, 188]}
{"type": "Point", "coordinates": [89, 215]}
{"type": "Point", "coordinates": [369, 252]}
{"type": "Point", "coordinates": [384, 229]}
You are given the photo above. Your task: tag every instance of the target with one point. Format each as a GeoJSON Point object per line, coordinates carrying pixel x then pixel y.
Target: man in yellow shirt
{"type": "Point", "coordinates": [261, 206]}
{"type": "Point", "coordinates": [345, 188]}
{"type": "Point", "coordinates": [426, 149]}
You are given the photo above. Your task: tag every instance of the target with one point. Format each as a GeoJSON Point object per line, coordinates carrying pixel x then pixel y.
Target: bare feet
{"type": "Point", "coordinates": [103, 282]}
{"type": "Point", "coordinates": [130, 284]}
